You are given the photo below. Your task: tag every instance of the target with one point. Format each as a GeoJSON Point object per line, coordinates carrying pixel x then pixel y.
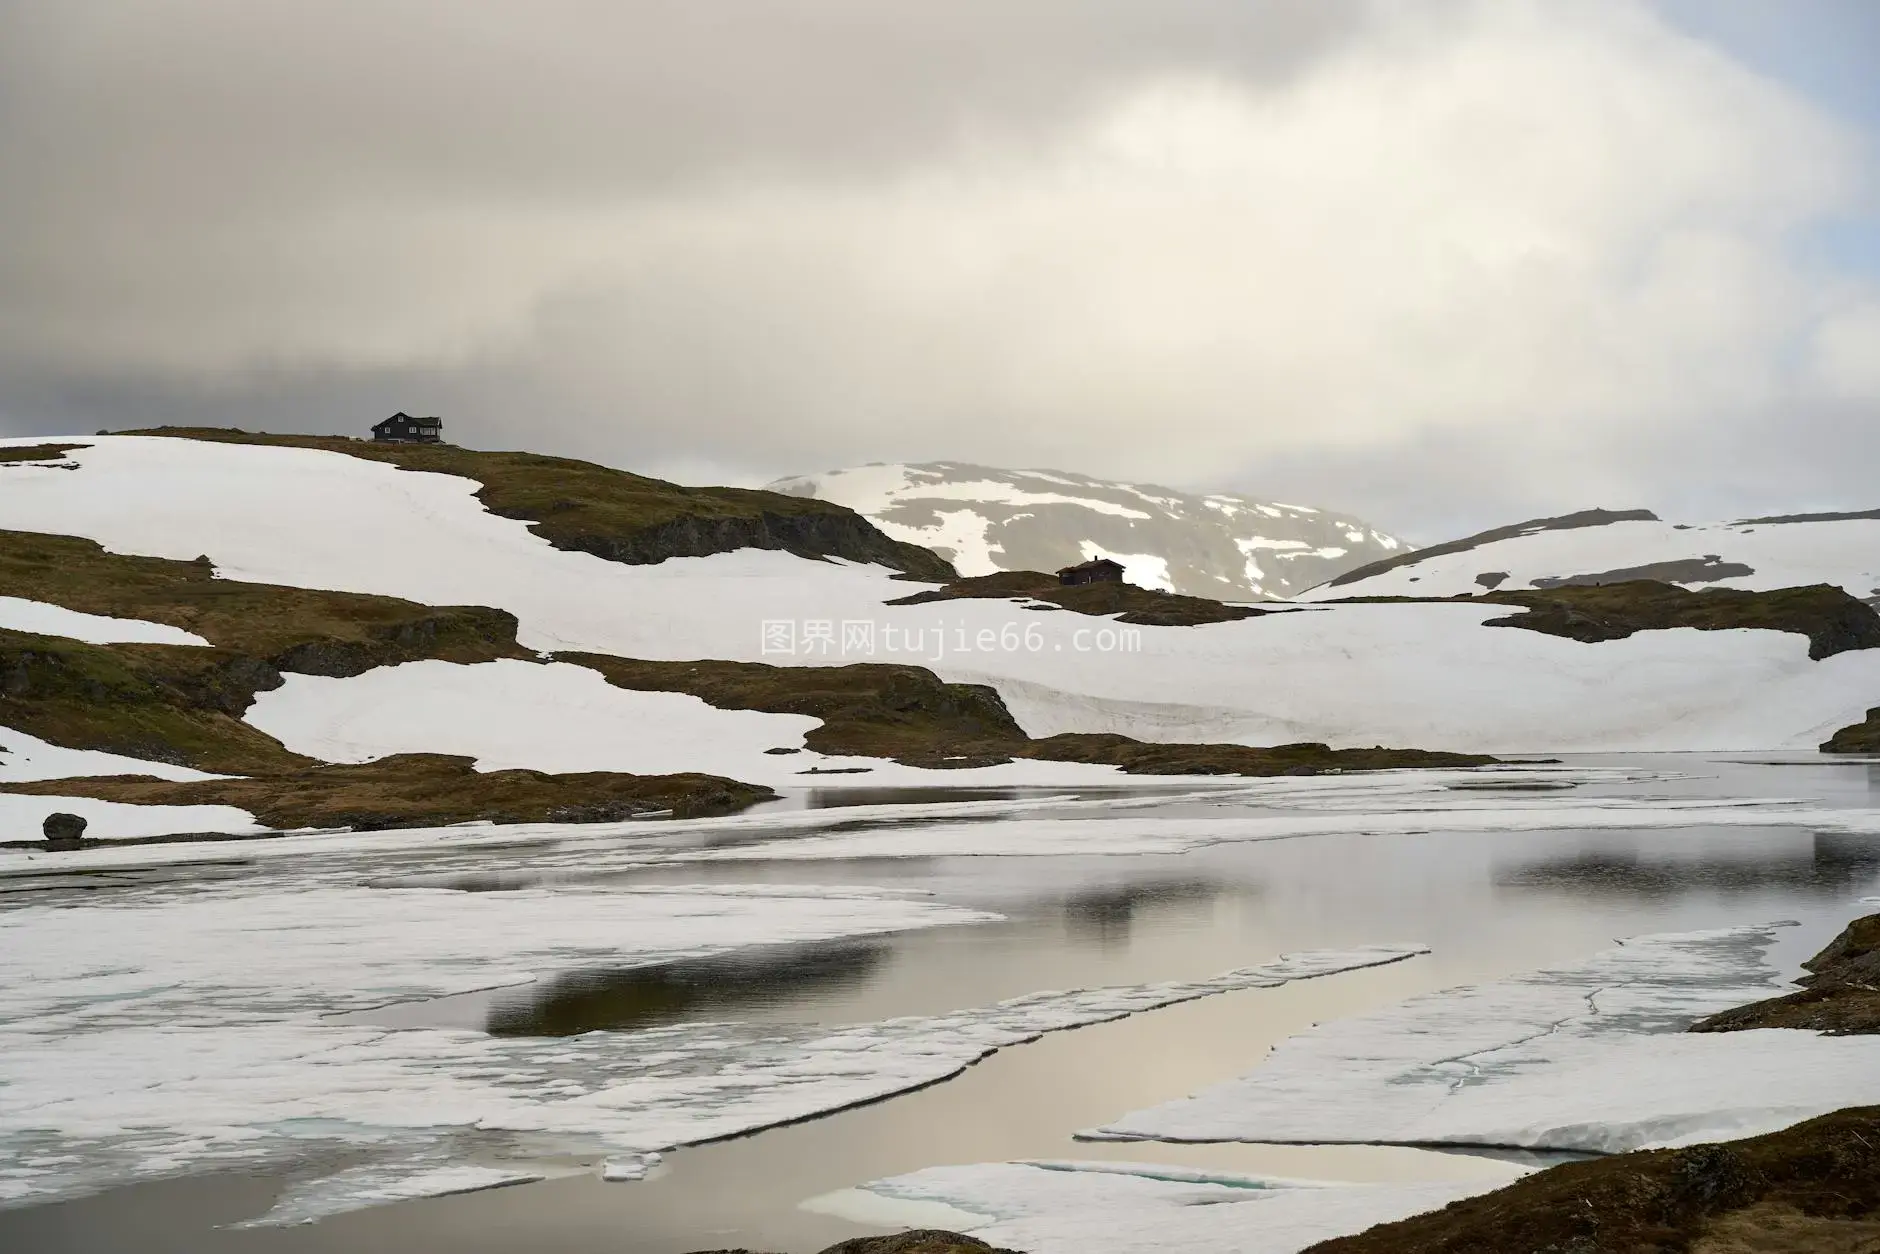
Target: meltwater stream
{"type": "Point", "coordinates": [1487, 904]}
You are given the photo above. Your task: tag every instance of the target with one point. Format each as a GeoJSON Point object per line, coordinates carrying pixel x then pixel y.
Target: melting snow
{"type": "Point", "coordinates": [173, 1029]}
{"type": "Point", "coordinates": [1591, 1057]}
{"type": "Point", "coordinates": [1072, 1208]}
{"type": "Point", "coordinates": [42, 619]}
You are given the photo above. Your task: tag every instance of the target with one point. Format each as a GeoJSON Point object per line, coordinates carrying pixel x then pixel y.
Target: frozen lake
{"type": "Point", "coordinates": [533, 1004]}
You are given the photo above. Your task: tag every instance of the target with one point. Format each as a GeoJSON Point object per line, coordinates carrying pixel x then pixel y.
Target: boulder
{"type": "Point", "coordinates": [63, 831]}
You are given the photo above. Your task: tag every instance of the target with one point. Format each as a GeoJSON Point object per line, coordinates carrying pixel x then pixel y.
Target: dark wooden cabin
{"type": "Point", "coordinates": [402, 428]}
{"type": "Point", "coordinates": [1101, 570]}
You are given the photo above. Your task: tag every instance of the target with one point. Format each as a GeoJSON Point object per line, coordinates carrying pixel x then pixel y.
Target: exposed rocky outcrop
{"type": "Point", "coordinates": [303, 630]}
{"type": "Point", "coordinates": [163, 703]}
{"type": "Point", "coordinates": [1840, 995]}
{"type": "Point", "coordinates": [424, 790]}
{"type": "Point", "coordinates": [872, 710]}
{"type": "Point", "coordinates": [1126, 602]}
{"type": "Point", "coordinates": [1138, 757]}
{"type": "Point", "coordinates": [1810, 1189]}
{"type": "Point", "coordinates": [1833, 621]}
{"type": "Point", "coordinates": [830, 533]}
{"type": "Point", "coordinates": [919, 1241]}
{"type": "Point", "coordinates": [1851, 515]}
{"type": "Point", "coordinates": [1862, 737]}
{"type": "Point", "coordinates": [36, 452]}
{"type": "Point", "coordinates": [909, 714]}
{"type": "Point", "coordinates": [1707, 569]}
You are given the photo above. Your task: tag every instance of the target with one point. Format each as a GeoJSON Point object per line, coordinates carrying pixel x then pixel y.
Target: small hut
{"type": "Point", "coordinates": [403, 428]}
{"type": "Point", "coordinates": [1099, 570]}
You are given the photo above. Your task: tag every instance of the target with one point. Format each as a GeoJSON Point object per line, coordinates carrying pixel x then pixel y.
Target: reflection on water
{"type": "Point", "coordinates": [827, 798]}
{"type": "Point", "coordinates": [1829, 866]}
{"type": "Point", "coordinates": [642, 997]}
{"type": "Point", "coordinates": [1106, 914]}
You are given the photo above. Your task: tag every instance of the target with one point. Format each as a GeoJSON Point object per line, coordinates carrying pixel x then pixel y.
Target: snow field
{"type": "Point", "coordinates": [1422, 675]}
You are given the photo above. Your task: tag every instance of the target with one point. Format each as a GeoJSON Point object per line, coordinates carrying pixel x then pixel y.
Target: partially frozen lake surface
{"type": "Point", "coordinates": [202, 1046]}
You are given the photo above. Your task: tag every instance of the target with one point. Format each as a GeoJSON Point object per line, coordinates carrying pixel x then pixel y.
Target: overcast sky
{"type": "Point", "coordinates": [1445, 264]}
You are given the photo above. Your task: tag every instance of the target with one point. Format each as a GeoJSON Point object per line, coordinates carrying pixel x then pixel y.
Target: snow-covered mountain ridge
{"type": "Point", "coordinates": [1607, 546]}
{"type": "Point", "coordinates": [1211, 545]}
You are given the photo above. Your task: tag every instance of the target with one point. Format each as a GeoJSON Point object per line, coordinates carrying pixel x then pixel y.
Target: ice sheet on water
{"type": "Point", "coordinates": [375, 1184]}
{"type": "Point", "coordinates": [1041, 837]}
{"type": "Point", "coordinates": [609, 846]}
{"type": "Point", "coordinates": [1072, 1208]}
{"type": "Point", "coordinates": [166, 1030]}
{"type": "Point", "coordinates": [1589, 1057]}
{"type": "Point", "coordinates": [186, 1027]}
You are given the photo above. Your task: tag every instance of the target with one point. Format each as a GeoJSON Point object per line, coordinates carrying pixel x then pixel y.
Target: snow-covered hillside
{"type": "Point", "coordinates": [1604, 546]}
{"type": "Point", "coordinates": [1424, 675]}
{"type": "Point", "coordinates": [985, 520]}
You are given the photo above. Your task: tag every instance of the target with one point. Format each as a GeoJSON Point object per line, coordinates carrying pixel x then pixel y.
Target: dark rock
{"type": "Point", "coordinates": [1127, 602]}
{"type": "Point", "coordinates": [1859, 738]}
{"type": "Point", "coordinates": [64, 831]}
{"type": "Point", "coordinates": [918, 1241]}
{"type": "Point", "coordinates": [1840, 995]}
{"type": "Point", "coordinates": [1492, 579]}
{"type": "Point", "coordinates": [781, 750]}
{"type": "Point", "coordinates": [1706, 569]}
{"type": "Point", "coordinates": [808, 535]}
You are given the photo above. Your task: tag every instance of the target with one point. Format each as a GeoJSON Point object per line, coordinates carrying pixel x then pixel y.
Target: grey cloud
{"type": "Point", "coordinates": [1494, 260]}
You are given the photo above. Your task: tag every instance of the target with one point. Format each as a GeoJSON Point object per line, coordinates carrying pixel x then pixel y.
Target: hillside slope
{"type": "Point", "coordinates": [616, 515]}
{"type": "Point", "coordinates": [1429, 676]}
{"type": "Point", "coordinates": [985, 520]}
{"type": "Point", "coordinates": [1608, 546]}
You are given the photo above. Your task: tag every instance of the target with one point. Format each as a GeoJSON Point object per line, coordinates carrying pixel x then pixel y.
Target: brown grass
{"type": "Point", "coordinates": [1776, 1228]}
{"type": "Point", "coordinates": [37, 453]}
{"type": "Point", "coordinates": [908, 714]}
{"type": "Point", "coordinates": [1833, 621]}
{"type": "Point", "coordinates": [868, 710]}
{"type": "Point", "coordinates": [619, 516]}
{"type": "Point", "coordinates": [294, 629]}
{"type": "Point", "coordinates": [1818, 1182]}
{"type": "Point", "coordinates": [424, 790]}
{"type": "Point", "coordinates": [164, 703]}
{"type": "Point", "coordinates": [1137, 757]}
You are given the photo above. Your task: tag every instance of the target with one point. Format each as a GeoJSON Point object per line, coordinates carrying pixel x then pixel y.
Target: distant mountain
{"type": "Point", "coordinates": [985, 520]}
{"type": "Point", "coordinates": [1598, 546]}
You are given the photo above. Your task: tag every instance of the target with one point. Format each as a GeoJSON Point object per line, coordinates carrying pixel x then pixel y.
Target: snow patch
{"type": "Point", "coordinates": [1072, 1208]}
{"type": "Point", "coordinates": [42, 619]}
{"type": "Point", "coordinates": [1592, 1057]}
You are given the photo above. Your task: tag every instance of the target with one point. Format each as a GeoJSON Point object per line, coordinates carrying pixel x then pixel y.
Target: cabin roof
{"type": "Point", "coordinates": [1092, 564]}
